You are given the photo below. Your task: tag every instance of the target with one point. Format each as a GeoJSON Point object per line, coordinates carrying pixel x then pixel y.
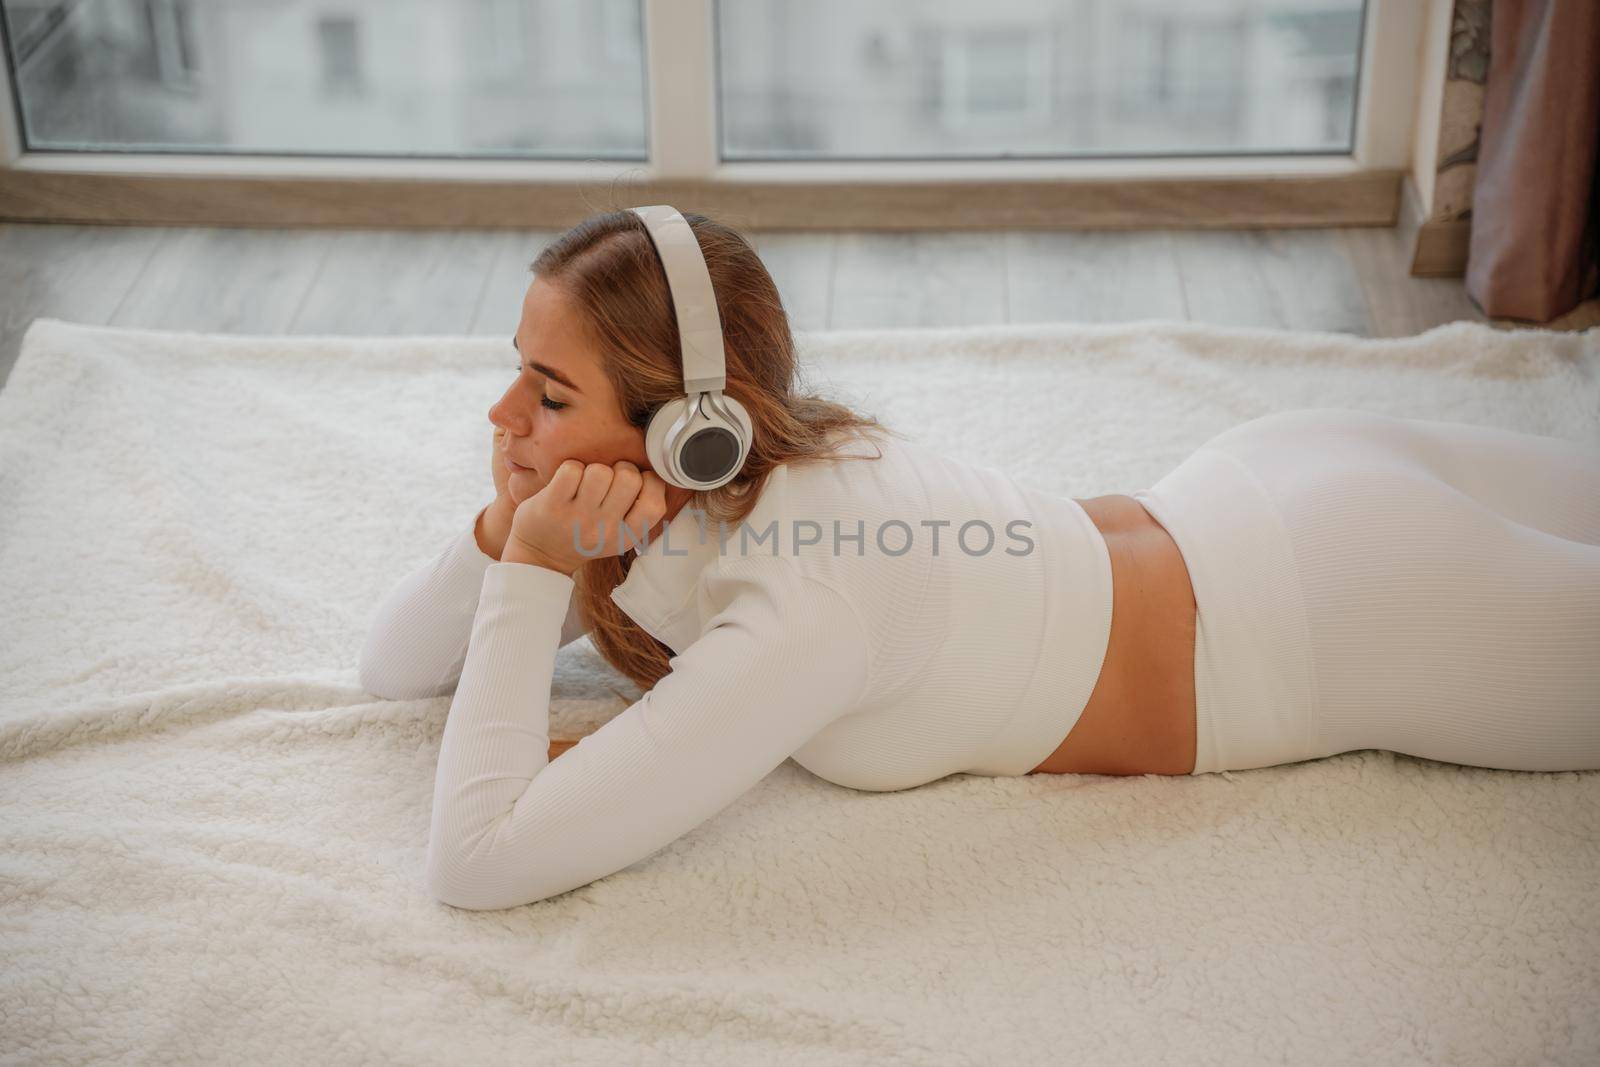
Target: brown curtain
{"type": "Point", "coordinates": [1535, 251]}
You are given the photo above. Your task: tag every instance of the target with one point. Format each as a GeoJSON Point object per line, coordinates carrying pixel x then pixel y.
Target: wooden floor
{"type": "Point", "coordinates": [237, 280]}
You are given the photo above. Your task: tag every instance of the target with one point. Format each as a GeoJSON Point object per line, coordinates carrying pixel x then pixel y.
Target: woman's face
{"type": "Point", "coordinates": [561, 405]}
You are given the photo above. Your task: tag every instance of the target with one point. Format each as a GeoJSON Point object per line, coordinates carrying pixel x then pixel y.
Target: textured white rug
{"type": "Point", "coordinates": [212, 840]}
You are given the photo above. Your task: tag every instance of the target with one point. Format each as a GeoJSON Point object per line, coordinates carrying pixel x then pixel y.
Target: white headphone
{"type": "Point", "coordinates": [699, 440]}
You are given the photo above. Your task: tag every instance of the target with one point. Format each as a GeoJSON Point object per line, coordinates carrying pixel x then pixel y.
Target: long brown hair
{"type": "Point", "coordinates": [608, 268]}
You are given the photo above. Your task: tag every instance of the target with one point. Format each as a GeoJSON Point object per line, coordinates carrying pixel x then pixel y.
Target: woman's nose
{"type": "Point", "coordinates": [503, 414]}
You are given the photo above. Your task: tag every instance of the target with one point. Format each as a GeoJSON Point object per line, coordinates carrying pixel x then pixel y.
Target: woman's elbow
{"type": "Point", "coordinates": [374, 683]}
{"type": "Point", "coordinates": [467, 895]}
{"type": "Point", "coordinates": [467, 903]}
{"type": "Point", "coordinates": [392, 672]}
{"type": "Point", "coordinates": [382, 687]}
{"type": "Point", "coordinates": [474, 886]}
{"type": "Point", "coordinates": [385, 684]}
{"type": "Point", "coordinates": [446, 888]}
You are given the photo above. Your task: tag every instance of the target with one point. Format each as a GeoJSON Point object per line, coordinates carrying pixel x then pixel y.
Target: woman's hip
{"type": "Point", "coordinates": [1353, 571]}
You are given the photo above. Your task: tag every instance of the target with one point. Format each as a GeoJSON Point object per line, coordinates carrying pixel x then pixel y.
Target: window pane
{"type": "Point", "coordinates": [886, 79]}
{"type": "Point", "coordinates": [487, 78]}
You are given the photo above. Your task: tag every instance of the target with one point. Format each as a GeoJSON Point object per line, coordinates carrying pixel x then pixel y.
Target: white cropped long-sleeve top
{"type": "Point", "coordinates": [885, 622]}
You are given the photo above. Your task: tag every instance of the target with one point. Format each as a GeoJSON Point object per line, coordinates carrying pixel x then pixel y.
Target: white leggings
{"type": "Point", "coordinates": [1368, 581]}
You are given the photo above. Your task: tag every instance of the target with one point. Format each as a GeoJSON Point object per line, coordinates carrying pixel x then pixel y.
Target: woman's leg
{"type": "Point", "coordinates": [1544, 483]}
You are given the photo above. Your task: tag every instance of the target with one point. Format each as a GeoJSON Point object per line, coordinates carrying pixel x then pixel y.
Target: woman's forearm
{"type": "Point", "coordinates": [493, 530]}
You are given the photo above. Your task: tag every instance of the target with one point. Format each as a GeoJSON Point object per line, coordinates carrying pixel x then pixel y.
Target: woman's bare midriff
{"type": "Point", "coordinates": [1140, 719]}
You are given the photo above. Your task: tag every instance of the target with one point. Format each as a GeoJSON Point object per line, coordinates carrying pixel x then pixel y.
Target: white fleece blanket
{"type": "Point", "coordinates": [212, 839]}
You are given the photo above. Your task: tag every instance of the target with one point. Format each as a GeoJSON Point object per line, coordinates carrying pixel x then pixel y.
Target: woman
{"type": "Point", "coordinates": [1305, 584]}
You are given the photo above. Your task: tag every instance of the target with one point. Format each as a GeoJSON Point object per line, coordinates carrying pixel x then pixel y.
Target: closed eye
{"type": "Point", "coordinates": [544, 399]}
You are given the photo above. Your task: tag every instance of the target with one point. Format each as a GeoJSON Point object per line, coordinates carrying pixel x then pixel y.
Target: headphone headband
{"type": "Point", "coordinates": [694, 301]}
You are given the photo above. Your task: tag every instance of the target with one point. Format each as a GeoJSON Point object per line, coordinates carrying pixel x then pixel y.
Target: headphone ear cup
{"type": "Point", "coordinates": [712, 448]}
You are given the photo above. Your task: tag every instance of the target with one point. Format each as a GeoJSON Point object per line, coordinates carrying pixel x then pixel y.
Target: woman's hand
{"type": "Point", "coordinates": [502, 474]}
{"type": "Point", "coordinates": [509, 489]}
{"type": "Point", "coordinates": [588, 504]}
